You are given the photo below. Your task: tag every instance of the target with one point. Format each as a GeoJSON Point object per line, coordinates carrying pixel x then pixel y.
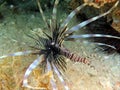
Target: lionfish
{"type": "Point", "coordinates": [53, 54]}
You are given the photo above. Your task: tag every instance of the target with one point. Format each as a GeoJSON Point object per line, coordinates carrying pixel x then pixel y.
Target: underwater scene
{"type": "Point", "coordinates": [59, 44]}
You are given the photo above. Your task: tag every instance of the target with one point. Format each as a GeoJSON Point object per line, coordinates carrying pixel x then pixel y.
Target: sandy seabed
{"type": "Point", "coordinates": [105, 75]}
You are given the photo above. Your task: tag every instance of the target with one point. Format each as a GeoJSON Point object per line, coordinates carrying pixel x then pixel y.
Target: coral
{"type": "Point", "coordinates": [98, 3]}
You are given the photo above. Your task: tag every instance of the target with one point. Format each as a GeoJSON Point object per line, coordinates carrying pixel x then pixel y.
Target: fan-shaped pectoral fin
{"type": "Point", "coordinates": [60, 77]}
{"type": "Point", "coordinates": [52, 80]}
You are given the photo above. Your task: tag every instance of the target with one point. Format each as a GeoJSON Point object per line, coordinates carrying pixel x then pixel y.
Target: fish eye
{"type": "Point", "coordinates": [53, 43]}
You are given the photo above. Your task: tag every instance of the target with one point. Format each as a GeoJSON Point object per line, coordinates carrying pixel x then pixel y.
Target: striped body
{"type": "Point", "coordinates": [74, 57]}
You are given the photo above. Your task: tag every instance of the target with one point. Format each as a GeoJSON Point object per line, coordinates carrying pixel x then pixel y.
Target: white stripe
{"type": "Point", "coordinates": [3, 56]}
{"type": "Point", "coordinates": [52, 78]}
{"type": "Point", "coordinates": [54, 9]}
{"type": "Point", "coordinates": [79, 26]}
{"type": "Point", "coordinates": [60, 77]}
{"type": "Point", "coordinates": [92, 35]}
{"type": "Point", "coordinates": [70, 16]}
{"type": "Point", "coordinates": [42, 14]}
{"type": "Point", "coordinates": [21, 53]}
{"type": "Point", "coordinates": [48, 65]}
{"type": "Point", "coordinates": [102, 44]}
{"type": "Point", "coordinates": [29, 70]}
{"type": "Point", "coordinates": [16, 54]}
